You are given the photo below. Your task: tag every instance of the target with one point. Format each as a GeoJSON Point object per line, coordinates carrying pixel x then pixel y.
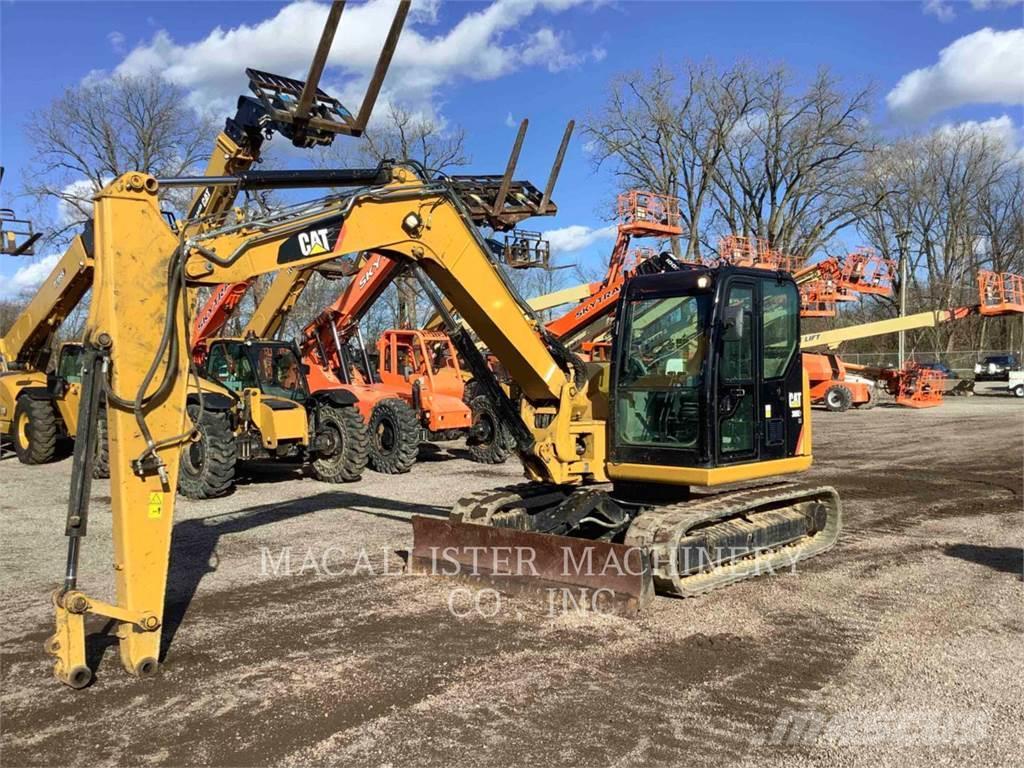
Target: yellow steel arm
{"type": "Point", "coordinates": [137, 318]}
{"type": "Point", "coordinates": [444, 242]}
{"type": "Point", "coordinates": [210, 205]}
{"type": "Point", "coordinates": [832, 339]}
{"type": "Point", "coordinates": [278, 301]}
{"type": "Point", "coordinates": [27, 340]}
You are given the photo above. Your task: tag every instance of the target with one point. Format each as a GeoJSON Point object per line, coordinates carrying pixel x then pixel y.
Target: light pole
{"type": "Point", "coordinates": [901, 240]}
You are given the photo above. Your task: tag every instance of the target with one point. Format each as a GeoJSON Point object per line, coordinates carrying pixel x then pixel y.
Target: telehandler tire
{"type": "Point", "coordinates": [101, 453]}
{"type": "Point", "coordinates": [394, 432]}
{"type": "Point", "coordinates": [838, 398]}
{"type": "Point", "coordinates": [35, 431]}
{"type": "Point", "coordinates": [870, 403]}
{"type": "Point", "coordinates": [347, 462]}
{"type": "Point", "coordinates": [488, 441]}
{"type": "Point", "coordinates": [470, 391]}
{"type": "Point", "coordinates": [208, 464]}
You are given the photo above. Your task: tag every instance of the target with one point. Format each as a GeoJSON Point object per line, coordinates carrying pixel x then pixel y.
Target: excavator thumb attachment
{"type": "Point", "coordinates": [567, 572]}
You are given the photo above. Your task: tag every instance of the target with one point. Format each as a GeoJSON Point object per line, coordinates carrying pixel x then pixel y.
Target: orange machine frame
{"type": "Point", "coordinates": [434, 391]}
{"type": "Point", "coordinates": [322, 338]}
{"type": "Point", "coordinates": [640, 214]}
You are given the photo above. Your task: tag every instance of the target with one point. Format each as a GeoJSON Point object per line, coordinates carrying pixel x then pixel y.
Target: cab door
{"type": "Point", "coordinates": [781, 368]}
{"type": "Point", "coordinates": [738, 376]}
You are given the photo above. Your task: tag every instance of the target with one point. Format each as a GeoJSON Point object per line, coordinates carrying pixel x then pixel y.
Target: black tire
{"type": "Point", "coordinates": [871, 402]}
{"type": "Point", "coordinates": [345, 464]}
{"type": "Point", "coordinates": [471, 390]}
{"type": "Point", "coordinates": [101, 453]}
{"type": "Point", "coordinates": [488, 441]}
{"type": "Point", "coordinates": [35, 431]}
{"type": "Point", "coordinates": [208, 464]}
{"type": "Point", "coordinates": [394, 432]}
{"type": "Point", "coordinates": [838, 398]}
{"type": "Point", "coordinates": [1018, 391]}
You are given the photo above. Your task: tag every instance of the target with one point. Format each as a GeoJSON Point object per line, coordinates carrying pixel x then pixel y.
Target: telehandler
{"type": "Point", "coordinates": [414, 394]}
{"type": "Point", "coordinates": [705, 389]}
{"type": "Point", "coordinates": [38, 408]}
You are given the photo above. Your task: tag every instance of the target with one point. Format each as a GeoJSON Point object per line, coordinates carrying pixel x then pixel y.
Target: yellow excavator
{"type": "Point", "coordinates": [705, 389]}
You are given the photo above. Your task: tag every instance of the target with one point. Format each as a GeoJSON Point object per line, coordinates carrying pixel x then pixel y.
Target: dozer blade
{"type": "Point", "coordinates": [597, 575]}
{"type": "Point", "coordinates": [701, 545]}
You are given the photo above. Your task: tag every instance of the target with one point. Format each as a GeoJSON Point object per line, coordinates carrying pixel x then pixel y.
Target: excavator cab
{"type": "Point", "coordinates": [706, 373]}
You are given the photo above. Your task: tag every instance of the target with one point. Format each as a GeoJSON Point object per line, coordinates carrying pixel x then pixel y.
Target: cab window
{"type": "Point", "coordinates": [228, 364]}
{"type": "Point", "coordinates": [779, 325]}
{"type": "Point", "coordinates": [69, 366]}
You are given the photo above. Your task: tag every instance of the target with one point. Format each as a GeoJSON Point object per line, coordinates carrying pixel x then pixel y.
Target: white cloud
{"type": "Point", "coordinates": [545, 47]}
{"type": "Point", "coordinates": [984, 5]}
{"type": "Point", "coordinates": [983, 67]}
{"type": "Point", "coordinates": [75, 201]}
{"type": "Point", "coordinates": [510, 121]}
{"type": "Point", "coordinates": [484, 44]}
{"type": "Point", "coordinates": [116, 40]}
{"type": "Point", "coordinates": [29, 277]}
{"type": "Point", "coordinates": [1000, 131]}
{"type": "Point", "coordinates": [576, 237]}
{"type": "Point", "coordinates": [941, 9]}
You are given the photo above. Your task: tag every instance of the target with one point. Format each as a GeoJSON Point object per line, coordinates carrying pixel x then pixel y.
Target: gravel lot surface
{"type": "Point", "coordinates": [904, 644]}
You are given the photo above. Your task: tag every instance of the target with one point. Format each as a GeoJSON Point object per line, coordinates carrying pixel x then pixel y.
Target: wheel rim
{"type": "Point", "coordinates": [195, 456]}
{"type": "Point", "coordinates": [334, 440]}
{"type": "Point", "coordinates": [833, 399]}
{"type": "Point", "coordinates": [22, 431]}
{"type": "Point", "coordinates": [484, 429]}
{"type": "Point", "coordinates": [386, 438]}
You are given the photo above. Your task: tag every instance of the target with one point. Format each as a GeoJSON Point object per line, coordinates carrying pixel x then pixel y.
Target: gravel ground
{"type": "Point", "coordinates": [902, 643]}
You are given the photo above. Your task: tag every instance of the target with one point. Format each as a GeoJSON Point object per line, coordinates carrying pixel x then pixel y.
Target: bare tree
{"type": "Point", "coordinates": [99, 130]}
{"type": "Point", "coordinates": [787, 175]}
{"type": "Point", "coordinates": [743, 149]}
{"type": "Point", "coordinates": [667, 132]}
{"type": "Point", "coordinates": [949, 203]}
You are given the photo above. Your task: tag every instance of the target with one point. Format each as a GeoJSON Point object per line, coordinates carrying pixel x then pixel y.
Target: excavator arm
{"type": "Point", "coordinates": [135, 354]}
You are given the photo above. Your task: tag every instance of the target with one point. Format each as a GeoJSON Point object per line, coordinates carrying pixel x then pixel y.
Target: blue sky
{"type": "Point", "coordinates": [478, 63]}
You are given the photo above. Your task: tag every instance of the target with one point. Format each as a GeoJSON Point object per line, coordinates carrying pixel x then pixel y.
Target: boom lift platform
{"type": "Point", "coordinates": [641, 214]}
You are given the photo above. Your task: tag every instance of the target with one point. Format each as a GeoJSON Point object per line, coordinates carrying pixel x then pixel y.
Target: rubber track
{"type": "Point", "coordinates": [507, 507]}
{"type": "Point", "coordinates": [660, 530]}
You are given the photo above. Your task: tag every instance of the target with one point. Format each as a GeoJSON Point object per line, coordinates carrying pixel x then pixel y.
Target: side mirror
{"type": "Point", "coordinates": [734, 319]}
